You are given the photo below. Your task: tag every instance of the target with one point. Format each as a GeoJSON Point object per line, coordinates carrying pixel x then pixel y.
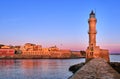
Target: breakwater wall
{"type": "Point", "coordinates": [96, 69]}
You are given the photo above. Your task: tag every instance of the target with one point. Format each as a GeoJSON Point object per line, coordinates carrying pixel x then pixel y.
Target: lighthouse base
{"type": "Point", "coordinates": [97, 53]}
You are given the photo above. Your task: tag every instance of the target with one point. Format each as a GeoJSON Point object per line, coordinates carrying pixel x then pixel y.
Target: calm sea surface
{"type": "Point", "coordinates": [40, 68]}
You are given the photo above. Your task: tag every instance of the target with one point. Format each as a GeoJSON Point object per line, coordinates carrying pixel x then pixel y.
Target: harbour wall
{"type": "Point", "coordinates": [96, 69]}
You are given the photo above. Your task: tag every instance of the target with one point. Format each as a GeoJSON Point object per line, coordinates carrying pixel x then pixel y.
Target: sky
{"type": "Point", "coordinates": [63, 23]}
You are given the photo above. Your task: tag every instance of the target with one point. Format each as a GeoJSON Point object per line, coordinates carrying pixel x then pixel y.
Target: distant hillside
{"type": "Point", "coordinates": [114, 53]}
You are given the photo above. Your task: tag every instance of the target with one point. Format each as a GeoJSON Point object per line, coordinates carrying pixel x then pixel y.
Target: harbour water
{"type": "Point", "coordinates": [40, 68]}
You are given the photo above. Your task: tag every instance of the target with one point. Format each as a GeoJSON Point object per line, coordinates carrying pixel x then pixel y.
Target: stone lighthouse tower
{"type": "Point", "coordinates": [92, 29]}
{"type": "Point", "coordinates": [94, 51]}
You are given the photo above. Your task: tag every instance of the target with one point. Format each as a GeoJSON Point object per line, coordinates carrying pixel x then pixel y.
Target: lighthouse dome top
{"type": "Point", "coordinates": [92, 14]}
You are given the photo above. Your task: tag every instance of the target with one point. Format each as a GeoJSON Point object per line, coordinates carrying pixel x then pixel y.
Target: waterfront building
{"type": "Point", "coordinates": [5, 47]}
{"type": "Point", "coordinates": [30, 50]}
{"type": "Point", "coordinates": [52, 52]}
{"type": "Point", "coordinates": [53, 48]}
{"type": "Point", "coordinates": [94, 51]}
{"type": "Point", "coordinates": [7, 52]}
{"type": "Point", "coordinates": [1, 45]}
{"type": "Point", "coordinates": [32, 47]}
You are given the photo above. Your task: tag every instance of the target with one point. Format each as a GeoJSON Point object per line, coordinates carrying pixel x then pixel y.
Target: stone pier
{"type": "Point", "coordinates": [97, 68]}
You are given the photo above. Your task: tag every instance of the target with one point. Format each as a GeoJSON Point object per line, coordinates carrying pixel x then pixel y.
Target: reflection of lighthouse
{"type": "Point", "coordinates": [94, 51]}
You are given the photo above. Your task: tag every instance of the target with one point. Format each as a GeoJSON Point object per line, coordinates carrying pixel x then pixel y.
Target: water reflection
{"type": "Point", "coordinates": [36, 68]}
{"type": "Point", "coordinates": [6, 62]}
{"type": "Point", "coordinates": [40, 68]}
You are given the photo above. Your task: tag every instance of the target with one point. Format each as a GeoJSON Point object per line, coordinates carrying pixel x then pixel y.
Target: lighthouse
{"type": "Point", "coordinates": [92, 29]}
{"type": "Point", "coordinates": [94, 51]}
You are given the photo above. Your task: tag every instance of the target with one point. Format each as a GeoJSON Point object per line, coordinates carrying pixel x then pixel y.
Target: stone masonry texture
{"type": "Point", "coordinates": [97, 68]}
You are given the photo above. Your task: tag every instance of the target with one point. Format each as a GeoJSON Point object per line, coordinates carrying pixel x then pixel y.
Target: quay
{"type": "Point", "coordinates": [97, 68]}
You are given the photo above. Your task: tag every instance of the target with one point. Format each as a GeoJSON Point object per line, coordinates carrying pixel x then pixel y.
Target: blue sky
{"type": "Point", "coordinates": [63, 23]}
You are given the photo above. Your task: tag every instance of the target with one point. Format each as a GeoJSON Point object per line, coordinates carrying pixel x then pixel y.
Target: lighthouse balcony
{"type": "Point", "coordinates": [92, 32]}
